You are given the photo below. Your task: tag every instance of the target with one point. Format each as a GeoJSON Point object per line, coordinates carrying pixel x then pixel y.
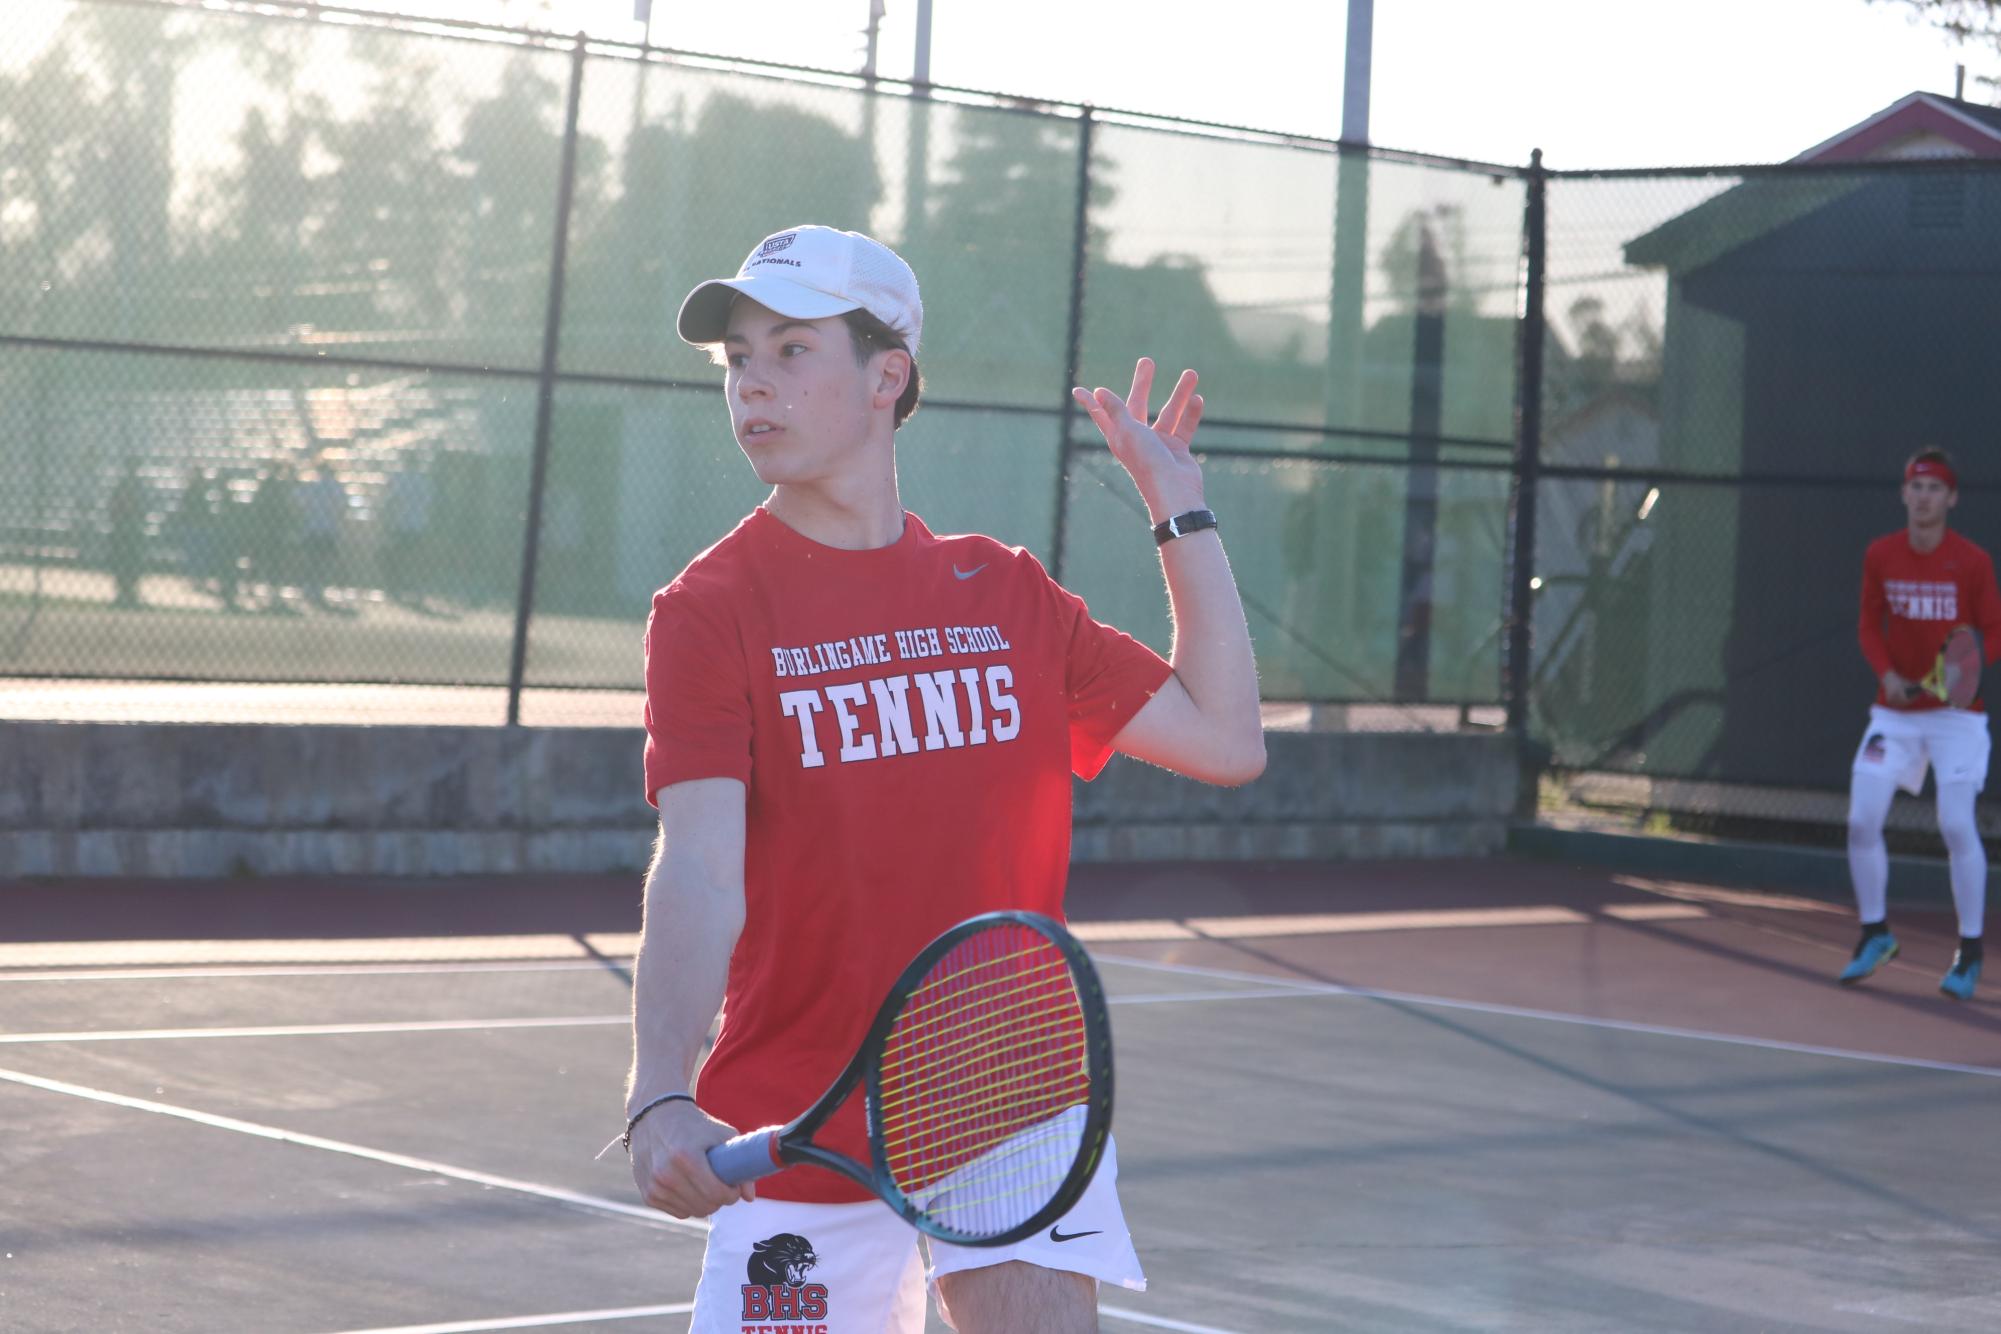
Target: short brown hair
{"type": "Point", "coordinates": [871, 336]}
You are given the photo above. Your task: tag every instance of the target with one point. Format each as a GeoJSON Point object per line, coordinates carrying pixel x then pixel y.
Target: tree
{"type": "Point", "coordinates": [508, 157]}
{"type": "Point", "coordinates": [1965, 20]}
{"type": "Point", "coordinates": [1968, 22]}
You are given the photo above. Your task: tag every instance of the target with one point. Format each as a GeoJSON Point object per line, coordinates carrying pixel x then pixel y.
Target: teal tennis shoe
{"type": "Point", "coordinates": [1960, 979]}
{"type": "Point", "coordinates": [1871, 954]}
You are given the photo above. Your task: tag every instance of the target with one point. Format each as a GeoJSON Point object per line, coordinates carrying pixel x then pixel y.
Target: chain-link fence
{"type": "Point", "coordinates": [343, 351]}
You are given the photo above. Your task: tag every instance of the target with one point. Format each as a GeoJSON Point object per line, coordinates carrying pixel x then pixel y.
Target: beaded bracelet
{"type": "Point", "coordinates": [626, 1138]}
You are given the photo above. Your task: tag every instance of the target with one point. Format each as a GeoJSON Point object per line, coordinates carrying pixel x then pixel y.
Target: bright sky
{"type": "Point", "coordinates": [1591, 82]}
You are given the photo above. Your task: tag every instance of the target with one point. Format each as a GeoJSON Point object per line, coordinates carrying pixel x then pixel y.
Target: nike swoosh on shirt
{"type": "Point", "coordinates": [1055, 1235]}
{"type": "Point", "coordinates": [958, 573]}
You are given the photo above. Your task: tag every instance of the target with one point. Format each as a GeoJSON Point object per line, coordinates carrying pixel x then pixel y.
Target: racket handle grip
{"type": "Point", "coordinates": [749, 1156]}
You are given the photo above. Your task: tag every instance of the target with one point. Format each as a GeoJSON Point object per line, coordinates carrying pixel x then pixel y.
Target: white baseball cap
{"type": "Point", "coordinates": [808, 273]}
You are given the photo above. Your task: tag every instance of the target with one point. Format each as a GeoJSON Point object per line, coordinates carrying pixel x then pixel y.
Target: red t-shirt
{"type": "Point", "coordinates": [905, 721]}
{"type": "Point", "coordinates": [1912, 601]}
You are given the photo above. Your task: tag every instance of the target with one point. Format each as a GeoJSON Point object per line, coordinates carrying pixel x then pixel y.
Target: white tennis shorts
{"type": "Point", "coordinates": [780, 1267]}
{"type": "Point", "coordinates": [1901, 743]}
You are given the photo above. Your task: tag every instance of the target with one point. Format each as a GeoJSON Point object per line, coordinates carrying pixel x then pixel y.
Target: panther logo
{"type": "Point", "coordinates": [781, 1260]}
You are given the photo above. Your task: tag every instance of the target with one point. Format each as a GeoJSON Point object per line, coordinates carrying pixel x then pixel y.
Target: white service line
{"type": "Point", "coordinates": [425, 953]}
{"type": "Point", "coordinates": [1309, 988]}
{"type": "Point", "coordinates": [576, 1198]}
{"type": "Point", "coordinates": [1160, 1322]}
{"type": "Point", "coordinates": [470, 1025]}
{"type": "Point", "coordinates": [532, 1321]}
{"type": "Point", "coordinates": [45, 955]}
{"type": "Point", "coordinates": [304, 970]}
{"type": "Point", "coordinates": [683, 1308]}
{"type": "Point", "coordinates": [1325, 924]}
{"type": "Point", "coordinates": [1184, 997]}
{"type": "Point", "coordinates": [313, 1030]}
{"type": "Point", "coordinates": [596, 1203]}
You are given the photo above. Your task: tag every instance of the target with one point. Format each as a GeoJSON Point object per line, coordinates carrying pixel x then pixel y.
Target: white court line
{"type": "Point", "coordinates": [532, 1321]}
{"type": "Point", "coordinates": [403, 952]}
{"type": "Point", "coordinates": [1654, 912]}
{"type": "Point", "coordinates": [462, 1025]}
{"type": "Point", "coordinates": [1263, 987]}
{"type": "Point", "coordinates": [1306, 988]}
{"type": "Point", "coordinates": [1324, 924]}
{"type": "Point", "coordinates": [1160, 1322]}
{"type": "Point", "coordinates": [1183, 997]}
{"type": "Point", "coordinates": [312, 1030]}
{"type": "Point", "coordinates": [47, 954]}
{"type": "Point", "coordinates": [596, 1203]}
{"type": "Point", "coordinates": [306, 970]}
{"type": "Point", "coordinates": [682, 1308]}
{"type": "Point", "coordinates": [591, 1202]}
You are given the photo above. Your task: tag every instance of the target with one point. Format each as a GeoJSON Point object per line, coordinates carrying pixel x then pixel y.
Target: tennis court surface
{"type": "Point", "coordinates": [1395, 1096]}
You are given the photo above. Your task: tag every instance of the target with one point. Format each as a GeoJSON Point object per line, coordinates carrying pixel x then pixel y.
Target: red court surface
{"type": "Point", "coordinates": [1496, 1094]}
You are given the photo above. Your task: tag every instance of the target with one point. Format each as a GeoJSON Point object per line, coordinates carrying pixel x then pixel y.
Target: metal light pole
{"type": "Point", "coordinates": [642, 12]}
{"type": "Point", "coordinates": [1333, 608]}
{"type": "Point", "coordinates": [917, 145]}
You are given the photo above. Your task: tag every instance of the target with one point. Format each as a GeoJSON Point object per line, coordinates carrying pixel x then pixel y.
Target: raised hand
{"type": "Point", "coordinates": [1157, 456]}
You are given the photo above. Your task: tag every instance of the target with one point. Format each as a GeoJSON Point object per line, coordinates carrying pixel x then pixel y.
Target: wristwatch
{"type": "Point", "coordinates": [1194, 521]}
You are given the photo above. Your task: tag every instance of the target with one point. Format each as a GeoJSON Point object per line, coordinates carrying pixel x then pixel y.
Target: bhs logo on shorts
{"type": "Point", "coordinates": [778, 1289]}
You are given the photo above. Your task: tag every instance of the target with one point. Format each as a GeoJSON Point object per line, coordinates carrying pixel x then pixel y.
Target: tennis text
{"type": "Point", "coordinates": [903, 715]}
{"type": "Point", "coordinates": [1917, 601]}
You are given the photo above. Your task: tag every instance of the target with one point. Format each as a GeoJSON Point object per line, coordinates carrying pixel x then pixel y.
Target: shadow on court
{"type": "Point", "coordinates": [1393, 1096]}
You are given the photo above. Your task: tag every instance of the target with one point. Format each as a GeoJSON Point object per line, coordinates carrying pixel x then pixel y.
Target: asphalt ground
{"type": "Point", "coordinates": [1445, 1096]}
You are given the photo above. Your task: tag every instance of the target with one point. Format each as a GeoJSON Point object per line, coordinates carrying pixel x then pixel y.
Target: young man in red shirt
{"type": "Point", "coordinates": [859, 733]}
{"type": "Point", "coordinates": [1918, 585]}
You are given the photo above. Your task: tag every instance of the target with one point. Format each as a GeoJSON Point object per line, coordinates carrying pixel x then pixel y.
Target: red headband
{"type": "Point", "coordinates": [1933, 468]}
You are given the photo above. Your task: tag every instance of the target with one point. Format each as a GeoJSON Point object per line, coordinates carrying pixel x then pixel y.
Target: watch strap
{"type": "Point", "coordinates": [1193, 521]}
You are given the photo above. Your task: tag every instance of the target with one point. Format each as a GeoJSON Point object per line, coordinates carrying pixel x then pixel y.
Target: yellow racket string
{"type": "Point", "coordinates": [924, 1162]}
{"type": "Point", "coordinates": [942, 1092]}
{"type": "Point", "coordinates": [952, 1049]}
{"type": "Point", "coordinates": [937, 980]}
{"type": "Point", "coordinates": [1003, 1168]}
{"type": "Point", "coordinates": [956, 1203]}
{"type": "Point", "coordinates": [983, 1052]}
{"type": "Point", "coordinates": [910, 1115]}
{"type": "Point", "coordinates": [916, 1008]}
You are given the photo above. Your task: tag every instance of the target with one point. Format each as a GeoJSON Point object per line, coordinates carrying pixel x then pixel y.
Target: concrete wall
{"type": "Point", "coordinates": [143, 799]}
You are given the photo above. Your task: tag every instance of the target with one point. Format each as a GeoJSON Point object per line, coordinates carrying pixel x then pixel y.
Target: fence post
{"type": "Point", "coordinates": [1073, 346]}
{"type": "Point", "coordinates": [1528, 457]}
{"type": "Point", "coordinates": [545, 392]}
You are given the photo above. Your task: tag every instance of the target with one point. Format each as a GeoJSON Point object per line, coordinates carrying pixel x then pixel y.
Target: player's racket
{"type": "Point", "coordinates": [1955, 677]}
{"type": "Point", "coordinates": [987, 1085]}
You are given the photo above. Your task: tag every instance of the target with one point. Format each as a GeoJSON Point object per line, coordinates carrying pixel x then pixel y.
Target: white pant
{"type": "Point", "coordinates": [778, 1265]}
{"type": "Point", "coordinates": [1901, 743]}
{"type": "Point", "coordinates": [1895, 751]}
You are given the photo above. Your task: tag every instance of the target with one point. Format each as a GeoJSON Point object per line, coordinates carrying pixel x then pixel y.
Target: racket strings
{"type": "Point", "coordinates": [977, 1111]}
{"type": "Point", "coordinates": [980, 1076]}
{"type": "Point", "coordinates": [950, 988]}
{"type": "Point", "coordinates": [926, 1163]}
{"type": "Point", "coordinates": [973, 1196]}
{"type": "Point", "coordinates": [932, 1045]}
{"type": "Point", "coordinates": [921, 1085]}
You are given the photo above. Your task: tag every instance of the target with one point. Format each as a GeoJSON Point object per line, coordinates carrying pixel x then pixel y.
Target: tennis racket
{"type": "Point", "coordinates": [987, 1087]}
{"type": "Point", "coordinates": [1955, 677]}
